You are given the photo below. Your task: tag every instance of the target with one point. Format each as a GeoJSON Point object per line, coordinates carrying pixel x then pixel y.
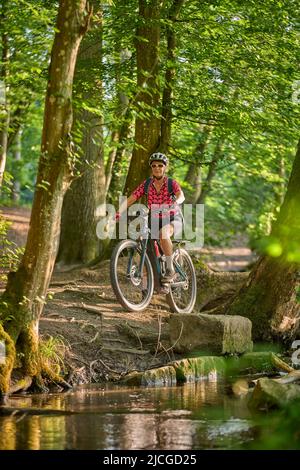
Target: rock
{"type": "Point", "coordinates": [214, 289]}
{"type": "Point", "coordinates": [270, 394]}
{"type": "Point", "coordinates": [184, 370]}
{"type": "Point", "coordinates": [159, 376]}
{"type": "Point", "coordinates": [214, 334]}
{"type": "Point", "coordinates": [252, 363]}
{"type": "Point", "coordinates": [198, 368]}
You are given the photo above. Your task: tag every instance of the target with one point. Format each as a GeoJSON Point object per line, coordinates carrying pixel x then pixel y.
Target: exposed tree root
{"type": "Point", "coordinates": [6, 364]}
{"type": "Point", "coordinates": [22, 382]}
{"type": "Point", "coordinates": [33, 370]}
{"type": "Point", "coordinates": [51, 375]}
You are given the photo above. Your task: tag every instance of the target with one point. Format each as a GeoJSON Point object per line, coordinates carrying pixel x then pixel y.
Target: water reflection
{"type": "Point", "coordinates": [193, 416]}
{"type": "Point", "coordinates": [8, 434]}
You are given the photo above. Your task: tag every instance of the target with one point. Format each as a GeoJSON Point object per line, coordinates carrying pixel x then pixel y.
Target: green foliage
{"type": "Point", "coordinates": [25, 170]}
{"type": "Point", "coordinates": [30, 36]}
{"type": "Point", "coordinates": [279, 430]}
{"type": "Point", "coordinates": [10, 253]}
{"type": "Point", "coordinates": [236, 67]}
{"type": "Point", "coordinates": [52, 352]}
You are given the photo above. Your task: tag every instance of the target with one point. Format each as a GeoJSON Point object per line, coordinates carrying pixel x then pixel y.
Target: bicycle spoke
{"type": "Point", "coordinates": [132, 286]}
{"type": "Point", "coordinates": [182, 297]}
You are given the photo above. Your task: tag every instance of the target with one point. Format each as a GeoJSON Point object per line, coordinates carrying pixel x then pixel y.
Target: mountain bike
{"type": "Point", "coordinates": [138, 266]}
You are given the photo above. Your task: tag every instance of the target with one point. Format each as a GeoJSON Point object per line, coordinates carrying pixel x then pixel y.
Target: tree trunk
{"type": "Point", "coordinates": [194, 173]}
{"type": "Point", "coordinates": [207, 184]}
{"type": "Point", "coordinates": [147, 126]}
{"type": "Point", "coordinates": [25, 295]}
{"type": "Point", "coordinates": [16, 189]}
{"type": "Point", "coordinates": [281, 186]}
{"type": "Point", "coordinates": [215, 289]}
{"type": "Point", "coordinates": [194, 179]}
{"type": "Point", "coordinates": [4, 104]}
{"type": "Point", "coordinates": [78, 240]}
{"type": "Point", "coordinates": [269, 298]}
{"type": "Point", "coordinates": [114, 142]}
{"type": "Point", "coordinates": [120, 132]}
{"type": "Point", "coordinates": [117, 179]}
{"type": "Point", "coordinates": [166, 120]}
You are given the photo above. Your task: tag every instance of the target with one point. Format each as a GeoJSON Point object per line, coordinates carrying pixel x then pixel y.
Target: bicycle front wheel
{"type": "Point", "coordinates": [182, 297]}
{"type": "Point", "coordinates": [132, 285]}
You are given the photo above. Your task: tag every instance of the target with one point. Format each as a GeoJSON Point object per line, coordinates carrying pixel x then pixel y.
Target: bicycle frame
{"type": "Point", "coordinates": [148, 244]}
{"type": "Point", "coordinates": [157, 271]}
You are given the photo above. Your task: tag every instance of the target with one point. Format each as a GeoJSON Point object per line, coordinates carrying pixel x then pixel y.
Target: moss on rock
{"type": "Point", "coordinates": [197, 368]}
{"type": "Point", "coordinates": [184, 370]}
{"type": "Point", "coordinates": [252, 363]}
{"type": "Point", "coordinates": [160, 376]}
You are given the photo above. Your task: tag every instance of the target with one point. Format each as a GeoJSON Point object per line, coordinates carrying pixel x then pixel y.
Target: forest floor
{"type": "Point", "coordinates": [98, 339]}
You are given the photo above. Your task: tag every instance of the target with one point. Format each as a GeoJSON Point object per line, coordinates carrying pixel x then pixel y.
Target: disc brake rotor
{"type": "Point", "coordinates": [135, 279]}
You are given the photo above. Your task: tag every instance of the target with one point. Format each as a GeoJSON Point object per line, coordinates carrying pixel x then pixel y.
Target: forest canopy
{"type": "Point", "coordinates": [235, 104]}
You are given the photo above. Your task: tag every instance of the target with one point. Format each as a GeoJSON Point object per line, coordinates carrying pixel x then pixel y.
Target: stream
{"type": "Point", "coordinates": [201, 415]}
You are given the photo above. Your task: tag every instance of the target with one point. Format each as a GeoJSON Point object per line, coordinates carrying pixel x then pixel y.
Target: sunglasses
{"type": "Point", "coordinates": [156, 166]}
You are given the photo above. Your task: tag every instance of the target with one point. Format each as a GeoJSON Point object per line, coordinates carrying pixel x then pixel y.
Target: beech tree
{"type": "Point", "coordinates": [4, 105]}
{"type": "Point", "coordinates": [25, 294]}
{"type": "Point", "coordinates": [147, 125]}
{"type": "Point", "coordinates": [78, 239]}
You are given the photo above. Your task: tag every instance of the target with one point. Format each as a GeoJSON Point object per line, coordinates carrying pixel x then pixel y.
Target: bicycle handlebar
{"type": "Point", "coordinates": [144, 212]}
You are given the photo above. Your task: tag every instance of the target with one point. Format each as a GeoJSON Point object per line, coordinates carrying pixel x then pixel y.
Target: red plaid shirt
{"type": "Point", "coordinates": [156, 199]}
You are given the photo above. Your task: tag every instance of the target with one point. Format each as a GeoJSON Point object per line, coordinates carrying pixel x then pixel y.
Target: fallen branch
{"type": "Point", "coordinates": [158, 345]}
{"type": "Point", "coordinates": [280, 364]}
{"type": "Point", "coordinates": [90, 308]}
{"type": "Point", "coordinates": [291, 377]}
{"type": "Point", "coordinates": [124, 350]}
{"type": "Point", "coordinates": [66, 283]}
{"type": "Point", "coordinates": [95, 337]}
{"type": "Point", "coordinates": [174, 344]}
{"type": "Point", "coordinates": [107, 367]}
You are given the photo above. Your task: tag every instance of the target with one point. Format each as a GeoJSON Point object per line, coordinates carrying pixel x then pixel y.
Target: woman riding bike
{"type": "Point", "coordinates": [163, 192]}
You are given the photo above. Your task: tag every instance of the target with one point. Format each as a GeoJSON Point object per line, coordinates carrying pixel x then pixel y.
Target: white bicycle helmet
{"type": "Point", "coordinates": [158, 157]}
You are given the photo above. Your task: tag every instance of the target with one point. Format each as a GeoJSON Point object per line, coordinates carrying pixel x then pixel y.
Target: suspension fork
{"type": "Point", "coordinates": [142, 262]}
{"type": "Point", "coordinates": [177, 268]}
{"type": "Point", "coordinates": [144, 243]}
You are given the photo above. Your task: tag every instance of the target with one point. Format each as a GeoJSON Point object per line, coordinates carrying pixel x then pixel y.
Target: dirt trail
{"type": "Point", "coordinates": [104, 341]}
{"type": "Point", "coordinates": [235, 258]}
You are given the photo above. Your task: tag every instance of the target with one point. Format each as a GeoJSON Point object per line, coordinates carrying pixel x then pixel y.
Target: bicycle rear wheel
{"type": "Point", "coordinates": [182, 298]}
{"type": "Point", "coordinates": [133, 289]}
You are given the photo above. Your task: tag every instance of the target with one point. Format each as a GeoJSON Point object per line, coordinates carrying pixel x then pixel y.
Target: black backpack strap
{"type": "Point", "coordinates": [172, 194]}
{"type": "Point", "coordinates": [148, 181]}
{"type": "Point", "coordinates": [146, 185]}
{"type": "Point", "coordinates": [170, 187]}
